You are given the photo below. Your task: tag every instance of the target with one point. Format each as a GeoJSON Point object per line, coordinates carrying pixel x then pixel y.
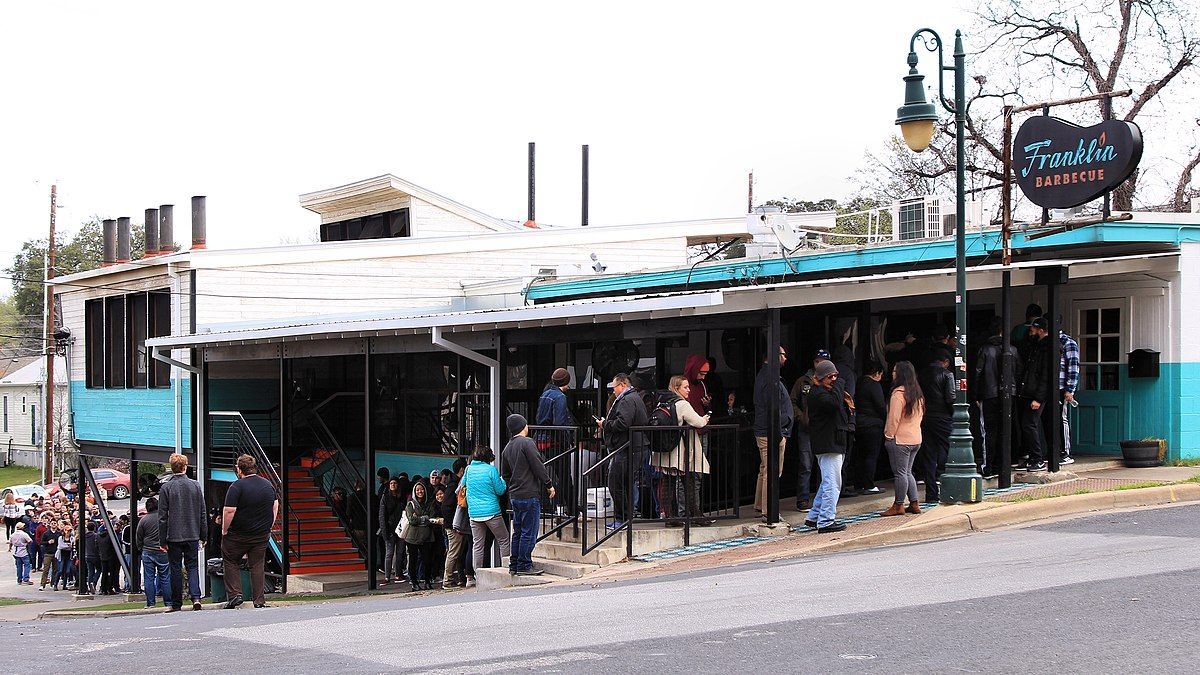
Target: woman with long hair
{"type": "Point", "coordinates": [418, 539]}
{"type": "Point", "coordinates": [677, 498]}
{"type": "Point", "coordinates": [391, 507]}
{"type": "Point", "coordinates": [12, 514]}
{"type": "Point", "coordinates": [902, 435]}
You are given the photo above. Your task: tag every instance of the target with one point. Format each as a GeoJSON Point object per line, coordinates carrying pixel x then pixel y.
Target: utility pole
{"type": "Point", "coordinates": [750, 193]}
{"type": "Point", "coordinates": [49, 345]}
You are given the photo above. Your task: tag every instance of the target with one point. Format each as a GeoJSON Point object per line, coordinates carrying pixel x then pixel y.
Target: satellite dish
{"type": "Point", "coordinates": [789, 239]}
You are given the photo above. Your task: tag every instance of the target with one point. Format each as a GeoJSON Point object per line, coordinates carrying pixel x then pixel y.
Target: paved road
{"type": "Point", "coordinates": [1102, 593]}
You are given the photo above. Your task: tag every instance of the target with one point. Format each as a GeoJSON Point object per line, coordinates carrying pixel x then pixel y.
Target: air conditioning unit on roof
{"type": "Point", "coordinates": [931, 217]}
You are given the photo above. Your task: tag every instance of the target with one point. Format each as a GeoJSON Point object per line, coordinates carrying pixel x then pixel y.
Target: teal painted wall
{"type": "Point", "coordinates": [136, 416]}
{"type": "Point", "coordinates": [1164, 407]}
{"type": "Point", "coordinates": [248, 394]}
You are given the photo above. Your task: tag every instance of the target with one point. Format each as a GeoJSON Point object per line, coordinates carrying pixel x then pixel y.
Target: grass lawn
{"type": "Point", "coordinates": [5, 602]}
{"type": "Point", "coordinates": [19, 475]}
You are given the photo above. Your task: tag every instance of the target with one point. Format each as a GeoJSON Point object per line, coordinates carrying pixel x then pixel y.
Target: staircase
{"type": "Point", "coordinates": [321, 546]}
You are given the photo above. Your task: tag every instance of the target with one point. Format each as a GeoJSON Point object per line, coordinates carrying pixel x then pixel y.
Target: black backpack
{"type": "Point", "coordinates": [664, 414]}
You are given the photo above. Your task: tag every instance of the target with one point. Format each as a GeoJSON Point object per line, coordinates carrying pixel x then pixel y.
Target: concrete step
{"type": "Point", "coordinates": [328, 582]}
{"type": "Point", "coordinates": [652, 537]}
{"type": "Point", "coordinates": [567, 551]}
{"type": "Point", "coordinates": [492, 578]}
{"type": "Point", "coordinates": [564, 569]}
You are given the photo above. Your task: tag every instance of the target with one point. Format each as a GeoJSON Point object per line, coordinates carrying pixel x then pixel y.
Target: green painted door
{"type": "Point", "coordinates": [1097, 425]}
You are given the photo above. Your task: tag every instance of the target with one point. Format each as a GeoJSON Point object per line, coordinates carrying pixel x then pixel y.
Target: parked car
{"type": "Point", "coordinates": [24, 492]}
{"type": "Point", "coordinates": [115, 484]}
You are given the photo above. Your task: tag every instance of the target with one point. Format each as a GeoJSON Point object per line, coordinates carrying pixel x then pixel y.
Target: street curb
{"type": "Point", "coordinates": [981, 517]}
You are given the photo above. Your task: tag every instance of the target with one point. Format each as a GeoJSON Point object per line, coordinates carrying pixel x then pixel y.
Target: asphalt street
{"type": "Point", "coordinates": [1102, 593]}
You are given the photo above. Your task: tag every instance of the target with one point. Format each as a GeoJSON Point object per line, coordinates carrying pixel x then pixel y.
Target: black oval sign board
{"type": "Point", "coordinates": [1059, 164]}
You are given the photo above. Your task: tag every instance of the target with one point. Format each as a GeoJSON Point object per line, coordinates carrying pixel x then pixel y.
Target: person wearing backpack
{"type": "Point", "coordinates": [683, 463]}
{"type": "Point", "coordinates": [804, 455]}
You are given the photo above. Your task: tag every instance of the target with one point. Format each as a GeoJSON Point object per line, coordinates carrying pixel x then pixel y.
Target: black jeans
{"type": "Point", "coordinates": [935, 450]}
{"type": "Point", "coordinates": [804, 466]}
{"type": "Point", "coordinates": [993, 421]}
{"type": "Point", "coordinates": [420, 556]}
{"type": "Point", "coordinates": [618, 481]}
{"type": "Point", "coordinates": [183, 555]}
{"type": "Point", "coordinates": [868, 440]}
{"type": "Point", "coordinates": [1033, 441]}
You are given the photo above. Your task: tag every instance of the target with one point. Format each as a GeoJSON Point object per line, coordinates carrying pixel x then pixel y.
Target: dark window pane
{"type": "Point", "coordinates": [1091, 321]}
{"type": "Point", "coordinates": [94, 342]}
{"type": "Point", "coordinates": [1091, 380]}
{"type": "Point", "coordinates": [398, 223]}
{"type": "Point", "coordinates": [1110, 378]}
{"type": "Point", "coordinates": [160, 326]}
{"type": "Point", "coordinates": [353, 229]}
{"type": "Point", "coordinates": [136, 345]}
{"type": "Point", "coordinates": [334, 232]}
{"type": "Point", "coordinates": [1089, 350]}
{"type": "Point", "coordinates": [1110, 349]}
{"type": "Point", "coordinates": [114, 341]}
{"type": "Point", "coordinates": [1110, 320]}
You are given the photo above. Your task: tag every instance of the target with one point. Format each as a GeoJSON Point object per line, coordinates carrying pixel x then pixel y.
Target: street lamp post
{"type": "Point", "coordinates": [917, 118]}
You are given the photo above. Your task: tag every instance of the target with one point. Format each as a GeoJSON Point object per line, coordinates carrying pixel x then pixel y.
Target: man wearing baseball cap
{"type": "Point", "coordinates": [804, 456]}
{"type": "Point", "coordinates": [1032, 393]}
{"type": "Point", "coordinates": [627, 411]}
{"type": "Point", "coordinates": [829, 429]}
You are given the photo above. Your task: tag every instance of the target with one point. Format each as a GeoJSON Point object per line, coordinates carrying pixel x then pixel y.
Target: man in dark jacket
{"type": "Point", "coordinates": [804, 456]}
{"type": "Point", "coordinates": [1032, 394]}
{"type": "Point", "coordinates": [937, 383]}
{"type": "Point", "coordinates": [553, 411]}
{"type": "Point", "coordinates": [870, 413]}
{"type": "Point", "coordinates": [108, 561]}
{"type": "Point", "coordinates": [992, 372]}
{"type": "Point", "coordinates": [764, 390]}
{"type": "Point", "coordinates": [627, 411]}
{"type": "Point", "coordinates": [526, 476]}
{"type": "Point", "coordinates": [829, 429]}
{"type": "Point", "coordinates": [91, 556]}
{"type": "Point", "coordinates": [182, 528]}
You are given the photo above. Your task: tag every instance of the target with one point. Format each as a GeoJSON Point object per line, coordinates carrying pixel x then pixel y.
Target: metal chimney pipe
{"type": "Point", "coordinates": [531, 221]}
{"type": "Point", "coordinates": [123, 239]}
{"type": "Point", "coordinates": [199, 223]}
{"type": "Point", "coordinates": [166, 228]}
{"type": "Point", "coordinates": [151, 226]}
{"type": "Point", "coordinates": [109, 230]}
{"type": "Point", "coordinates": [585, 186]}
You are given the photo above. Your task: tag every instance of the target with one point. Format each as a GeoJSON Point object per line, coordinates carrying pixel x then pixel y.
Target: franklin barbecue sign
{"type": "Point", "coordinates": [1059, 164]}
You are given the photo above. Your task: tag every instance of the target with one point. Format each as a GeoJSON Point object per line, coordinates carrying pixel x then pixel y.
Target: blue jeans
{"type": "Point", "coordinates": [180, 555]}
{"type": "Point", "coordinates": [156, 576]}
{"type": "Point", "coordinates": [22, 568]}
{"type": "Point", "coordinates": [527, 515]}
{"type": "Point", "coordinates": [824, 505]}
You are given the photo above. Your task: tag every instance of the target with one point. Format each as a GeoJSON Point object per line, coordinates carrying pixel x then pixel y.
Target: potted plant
{"type": "Point", "coordinates": [1146, 452]}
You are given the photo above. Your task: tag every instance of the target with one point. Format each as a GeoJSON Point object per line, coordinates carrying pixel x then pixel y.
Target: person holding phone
{"type": "Point", "coordinates": [684, 467]}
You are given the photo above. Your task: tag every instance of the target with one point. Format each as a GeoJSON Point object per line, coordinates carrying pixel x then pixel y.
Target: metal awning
{"type": "Point", "coordinates": [344, 326]}
{"type": "Point", "coordinates": [655, 306]}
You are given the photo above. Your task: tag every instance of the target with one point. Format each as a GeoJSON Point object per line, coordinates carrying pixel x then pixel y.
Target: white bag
{"type": "Point", "coordinates": [599, 503]}
{"type": "Point", "coordinates": [402, 528]}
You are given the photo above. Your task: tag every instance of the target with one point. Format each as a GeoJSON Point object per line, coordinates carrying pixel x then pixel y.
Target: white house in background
{"type": "Point", "coordinates": [22, 418]}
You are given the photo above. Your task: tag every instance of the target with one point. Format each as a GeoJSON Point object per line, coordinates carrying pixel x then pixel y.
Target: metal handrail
{"type": "Point", "coordinates": [626, 526]}
{"type": "Point", "coordinates": [571, 519]}
{"type": "Point", "coordinates": [246, 441]}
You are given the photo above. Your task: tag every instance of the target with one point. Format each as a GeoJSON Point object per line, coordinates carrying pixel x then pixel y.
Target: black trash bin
{"type": "Point", "coordinates": [216, 579]}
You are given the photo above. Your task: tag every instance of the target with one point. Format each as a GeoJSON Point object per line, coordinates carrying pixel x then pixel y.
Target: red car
{"type": "Point", "coordinates": [115, 484]}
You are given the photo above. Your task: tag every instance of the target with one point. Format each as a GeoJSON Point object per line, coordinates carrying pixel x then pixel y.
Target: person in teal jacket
{"type": "Point", "coordinates": [484, 488]}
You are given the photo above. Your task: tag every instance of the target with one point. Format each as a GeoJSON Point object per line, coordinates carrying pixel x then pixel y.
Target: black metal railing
{"type": "Point", "coordinates": [230, 436]}
{"type": "Point", "coordinates": [559, 447]}
{"type": "Point", "coordinates": [606, 496]}
{"type": "Point", "coordinates": [695, 474]}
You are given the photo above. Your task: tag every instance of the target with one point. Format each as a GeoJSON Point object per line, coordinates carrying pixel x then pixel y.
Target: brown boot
{"type": "Point", "coordinates": [896, 509]}
{"type": "Point", "coordinates": [913, 507]}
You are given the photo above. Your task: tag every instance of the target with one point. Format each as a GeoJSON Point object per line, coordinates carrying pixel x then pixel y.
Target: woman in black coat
{"type": "Point", "coordinates": [391, 507]}
{"type": "Point", "coordinates": [870, 413]}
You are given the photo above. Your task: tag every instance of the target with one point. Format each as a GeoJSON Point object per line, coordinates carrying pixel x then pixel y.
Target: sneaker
{"type": "Point", "coordinates": [261, 606]}
{"type": "Point", "coordinates": [810, 523]}
{"type": "Point", "coordinates": [802, 505]}
{"type": "Point", "coordinates": [531, 572]}
{"type": "Point", "coordinates": [470, 582]}
{"type": "Point", "coordinates": [1066, 460]}
{"type": "Point", "coordinates": [874, 490]}
{"type": "Point", "coordinates": [832, 527]}
{"type": "Point", "coordinates": [233, 603]}
{"type": "Point", "coordinates": [1040, 466]}
{"type": "Point", "coordinates": [616, 525]}
{"type": "Point", "coordinates": [989, 474]}
{"type": "Point", "coordinates": [196, 606]}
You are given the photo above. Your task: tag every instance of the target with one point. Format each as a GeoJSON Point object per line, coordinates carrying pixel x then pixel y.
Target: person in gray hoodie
{"type": "Point", "coordinates": [182, 527]}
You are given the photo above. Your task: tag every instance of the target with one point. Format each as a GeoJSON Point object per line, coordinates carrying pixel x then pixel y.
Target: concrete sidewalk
{"type": "Point", "coordinates": [1087, 486]}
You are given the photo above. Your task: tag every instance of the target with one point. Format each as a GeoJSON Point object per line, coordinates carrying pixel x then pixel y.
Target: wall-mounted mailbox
{"type": "Point", "coordinates": [1143, 363]}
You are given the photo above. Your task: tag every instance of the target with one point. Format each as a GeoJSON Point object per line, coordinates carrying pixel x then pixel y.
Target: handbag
{"type": "Point", "coordinates": [402, 528]}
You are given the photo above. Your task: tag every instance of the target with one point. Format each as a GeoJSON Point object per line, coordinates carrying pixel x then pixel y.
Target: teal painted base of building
{"type": "Point", "coordinates": [132, 416]}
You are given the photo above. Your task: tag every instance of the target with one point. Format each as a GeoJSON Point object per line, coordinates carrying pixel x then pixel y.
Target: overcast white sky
{"type": "Point", "coordinates": [252, 103]}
